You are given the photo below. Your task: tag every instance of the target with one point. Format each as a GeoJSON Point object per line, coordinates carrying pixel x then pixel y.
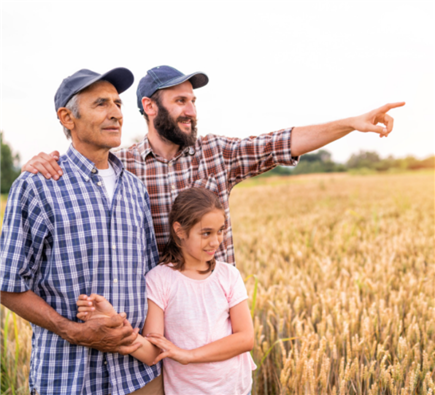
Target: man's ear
{"type": "Point", "coordinates": [149, 107]}
{"type": "Point", "coordinates": [65, 118]}
{"type": "Point", "coordinates": [179, 231]}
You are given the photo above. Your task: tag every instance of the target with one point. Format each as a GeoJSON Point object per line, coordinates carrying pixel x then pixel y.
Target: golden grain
{"type": "Point", "coordinates": [344, 276]}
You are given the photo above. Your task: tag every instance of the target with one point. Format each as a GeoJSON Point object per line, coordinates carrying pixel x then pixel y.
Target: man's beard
{"type": "Point", "coordinates": [168, 128]}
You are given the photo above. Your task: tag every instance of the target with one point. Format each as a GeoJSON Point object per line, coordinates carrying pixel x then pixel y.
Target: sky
{"type": "Point", "coordinates": [271, 65]}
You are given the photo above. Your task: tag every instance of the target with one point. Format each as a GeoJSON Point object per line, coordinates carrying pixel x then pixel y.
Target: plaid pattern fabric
{"type": "Point", "coordinates": [215, 162]}
{"type": "Point", "coordinates": [61, 239]}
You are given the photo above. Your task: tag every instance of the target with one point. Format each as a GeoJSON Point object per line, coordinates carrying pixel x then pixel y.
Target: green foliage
{"type": "Point", "coordinates": [371, 160]}
{"type": "Point", "coordinates": [364, 162]}
{"type": "Point", "coordinates": [366, 159]}
{"type": "Point", "coordinates": [9, 172]}
{"type": "Point", "coordinates": [317, 162]}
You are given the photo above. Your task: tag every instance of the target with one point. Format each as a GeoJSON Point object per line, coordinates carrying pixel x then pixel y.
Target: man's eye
{"type": "Point", "coordinates": [206, 234]}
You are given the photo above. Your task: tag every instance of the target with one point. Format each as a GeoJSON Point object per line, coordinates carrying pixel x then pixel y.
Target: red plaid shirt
{"type": "Point", "coordinates": [215, 162]}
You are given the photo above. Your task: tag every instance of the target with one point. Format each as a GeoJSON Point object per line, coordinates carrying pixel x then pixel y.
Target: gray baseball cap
{"type": "Point", "coordinates": [121, 78]}
{"type": "Point", "coordinates": [161, 77]}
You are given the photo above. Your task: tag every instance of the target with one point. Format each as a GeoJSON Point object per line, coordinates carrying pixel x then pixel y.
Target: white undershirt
{"type": "Point", "coordinates": [109, 181]}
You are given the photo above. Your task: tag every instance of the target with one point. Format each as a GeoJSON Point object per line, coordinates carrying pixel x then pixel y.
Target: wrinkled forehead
{"type": "Point", "coordinates": [99, 90]}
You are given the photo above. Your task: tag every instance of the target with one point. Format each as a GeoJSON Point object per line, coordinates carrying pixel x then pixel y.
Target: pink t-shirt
{"type": "Point", "coordinates": [197, 313]}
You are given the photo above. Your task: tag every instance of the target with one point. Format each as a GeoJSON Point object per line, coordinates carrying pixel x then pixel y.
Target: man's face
{"type": "Point", "coordinates": [100, 122]}
{"type": "Point", "coordinates": [176, 118]}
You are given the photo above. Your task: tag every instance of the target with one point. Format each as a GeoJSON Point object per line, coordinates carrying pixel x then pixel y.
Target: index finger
{"type": "Point", "coordinates": [160, 343]}
{"type": "Point", "coordinates": [390, 106]}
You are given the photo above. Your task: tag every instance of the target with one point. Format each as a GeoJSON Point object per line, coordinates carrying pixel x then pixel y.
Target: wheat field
{"type": "Point", "coordinates": [340, 270]}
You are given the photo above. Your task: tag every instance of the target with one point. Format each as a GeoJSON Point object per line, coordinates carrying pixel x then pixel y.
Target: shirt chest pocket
{"type": "Point", "coordinates": [207, 183]}
{"type": "Point", "coordinates": [132, 250]}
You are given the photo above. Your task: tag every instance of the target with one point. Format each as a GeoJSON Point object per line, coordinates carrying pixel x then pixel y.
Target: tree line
{"type": "Point", "coordinates": [361, 162]}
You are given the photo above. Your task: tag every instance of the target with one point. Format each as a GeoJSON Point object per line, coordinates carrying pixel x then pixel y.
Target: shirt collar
{"type": "Point", "coordinates": [87, 167]}
{"type": "Point", "coordinates": [144, 148]}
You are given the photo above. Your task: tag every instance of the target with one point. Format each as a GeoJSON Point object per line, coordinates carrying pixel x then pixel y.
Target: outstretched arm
{"type": "Point", "coordinates": [309, 138]}
{"type": "Point", "coordinates": [240, 341]}
{"type": "Point", "coordinates": [304, 139]}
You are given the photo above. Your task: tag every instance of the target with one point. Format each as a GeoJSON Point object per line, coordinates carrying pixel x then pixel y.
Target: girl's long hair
{"type": "Point", "coordinates": [188, 209]}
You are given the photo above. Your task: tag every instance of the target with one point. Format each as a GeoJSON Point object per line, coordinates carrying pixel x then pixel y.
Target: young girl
{"type": "Point", "coordinates": [199, 304]}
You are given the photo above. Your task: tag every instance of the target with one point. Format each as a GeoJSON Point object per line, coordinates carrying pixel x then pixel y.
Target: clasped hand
{"type": "Point", "coordinates": [104, 330]}
{"type": "Point", "coordinates": [96, 306]}
{"type": "Point", "coordinates": [169, 349]}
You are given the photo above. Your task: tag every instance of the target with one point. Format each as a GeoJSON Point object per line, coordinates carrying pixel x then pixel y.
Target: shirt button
{"type": "Point", "coordinates": [94, 171]}
{"type": "Point", "coordinates": [99, 183]}
{"type": "Point", "coordinates": [173, 186]}
{"type": "Point", "coordinates": [114, 247]}
{"type": "Point", "coordinates": [115, 280]}
{"type": "Point", "coordinates": [105, 362]}
{"type": "Point", "coordinates": [170, 164]}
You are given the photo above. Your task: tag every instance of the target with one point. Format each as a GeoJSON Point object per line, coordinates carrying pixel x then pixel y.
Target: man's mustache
{"type": "Point", "coordinates": [184, 119]}
{"type": "Point", "coordinates": [112, 124]}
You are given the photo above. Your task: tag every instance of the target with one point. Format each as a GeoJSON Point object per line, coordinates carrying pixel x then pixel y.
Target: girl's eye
{"type": "Point", "coordinates": [206, 234]}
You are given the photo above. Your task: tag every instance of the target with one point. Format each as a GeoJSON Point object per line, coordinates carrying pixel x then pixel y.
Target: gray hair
{"type": "Point", "coordinates": [73, 106]}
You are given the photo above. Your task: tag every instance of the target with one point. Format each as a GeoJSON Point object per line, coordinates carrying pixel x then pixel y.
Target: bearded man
{"type": "Point", "coordinates": [172, 158]}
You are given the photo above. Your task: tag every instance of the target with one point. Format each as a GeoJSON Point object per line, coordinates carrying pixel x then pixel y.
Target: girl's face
{"type": "Point", "coordinates": [204, 238]}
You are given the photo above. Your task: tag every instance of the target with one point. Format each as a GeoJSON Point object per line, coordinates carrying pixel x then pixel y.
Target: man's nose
{"type": "Point", "coordinates": [190, 110]}
{"type": "Point", "coordinates": [115, 112]}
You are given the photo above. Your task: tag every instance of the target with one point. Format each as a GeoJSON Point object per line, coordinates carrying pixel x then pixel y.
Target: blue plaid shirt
{"type": "Point", "coordinates": [61, 239]}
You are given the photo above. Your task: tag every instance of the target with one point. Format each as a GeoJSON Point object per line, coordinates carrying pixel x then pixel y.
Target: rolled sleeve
{"type": "Point", "coordinates": [281, 148]}
{"type": "Point", "coordinates": [22, 239]}
{"type": "Point", "coordinates": [252, 156]}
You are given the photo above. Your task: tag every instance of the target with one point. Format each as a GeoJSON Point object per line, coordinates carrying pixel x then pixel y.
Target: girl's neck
{"type": "Point", "coordinates": [192, 269]}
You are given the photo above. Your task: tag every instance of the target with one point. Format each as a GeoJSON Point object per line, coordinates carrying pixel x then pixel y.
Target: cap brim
{"type": "Point", "coordinates": [121, 78]}
{"type": "Point", "coordinates": [197, 79]}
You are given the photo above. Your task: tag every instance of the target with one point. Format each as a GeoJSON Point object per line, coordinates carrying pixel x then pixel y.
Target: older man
{"type": "Point", "coordinates": [90, 232]}
{"type": "Point", "coordinates": [171, 157]}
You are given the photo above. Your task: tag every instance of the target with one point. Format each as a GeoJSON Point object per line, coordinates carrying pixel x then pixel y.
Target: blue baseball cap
{"type": "Point", "coordinates": [161, 77]}
{"type": "Point", "coordinates": [121, 78]}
